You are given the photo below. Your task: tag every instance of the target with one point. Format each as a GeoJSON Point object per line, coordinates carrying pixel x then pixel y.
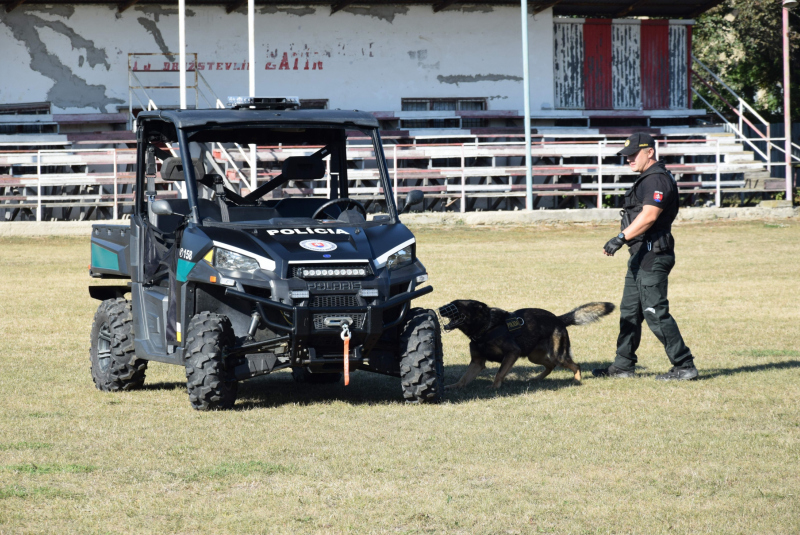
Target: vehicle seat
{"type": "Point", "coordinates": [298, 207]}
{"type": "Point", "coordinates": [251, 213]}
{"type": "Point", "coordinates": [206, 209]}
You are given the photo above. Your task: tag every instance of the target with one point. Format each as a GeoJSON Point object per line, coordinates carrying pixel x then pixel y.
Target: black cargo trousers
{"type": "Point", "coordinates": [644, 297]}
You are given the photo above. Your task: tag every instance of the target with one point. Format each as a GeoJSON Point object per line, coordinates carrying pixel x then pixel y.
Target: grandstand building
{"type": "Point", "coordinates": [417, 65]}
{"type": "Point", "coordinates": [76, 74]}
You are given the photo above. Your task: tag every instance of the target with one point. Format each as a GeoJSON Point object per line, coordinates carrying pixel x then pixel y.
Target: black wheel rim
{"type": "Point", "coordinates": [104, 347]}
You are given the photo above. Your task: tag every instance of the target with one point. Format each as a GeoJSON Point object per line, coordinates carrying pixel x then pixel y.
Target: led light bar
{"type": "Point", "coordinates": [298, 294]}
{"type": "Point", "coordinates": [335, 272]}
{"type": "Point", "coordinates": [369, 292]}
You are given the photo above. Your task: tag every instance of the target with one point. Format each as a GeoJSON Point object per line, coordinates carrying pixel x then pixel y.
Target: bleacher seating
{"type": "Point", "coordinates": [91, 174]}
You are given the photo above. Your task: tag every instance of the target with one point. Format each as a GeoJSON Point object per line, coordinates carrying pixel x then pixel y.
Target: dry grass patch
{"type": "Point", "coordinates": [718, 455]}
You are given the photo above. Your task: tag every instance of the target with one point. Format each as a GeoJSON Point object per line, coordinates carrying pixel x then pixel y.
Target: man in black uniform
{"type": "Point", "coordinates": [651, 206]}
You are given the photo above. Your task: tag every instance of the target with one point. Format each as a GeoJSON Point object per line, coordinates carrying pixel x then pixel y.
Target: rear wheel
{"type": "Point", "coordinates": [114, 364]}
{"type": "Point", "coordinates": [207, 378]}
{"type": "Point", "coordinates": [421, 364]}
{"type": "Point", "coordinates": [304, 375]}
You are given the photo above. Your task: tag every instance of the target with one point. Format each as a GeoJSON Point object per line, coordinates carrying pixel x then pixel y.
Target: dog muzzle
{"type": "Point", "coordinates": [454, 316]}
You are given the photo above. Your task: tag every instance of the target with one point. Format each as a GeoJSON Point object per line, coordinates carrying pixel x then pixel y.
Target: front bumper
{"type": "Point", "coordinates": [302, 318]}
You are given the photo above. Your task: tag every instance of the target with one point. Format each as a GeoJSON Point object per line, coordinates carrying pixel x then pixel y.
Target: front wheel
{"type": "Point", "coordinates": [421, 364]}
{"type": "Point", "coordinates": [114, 364]}
{"type": "Point", "coordinates": [207, 382]}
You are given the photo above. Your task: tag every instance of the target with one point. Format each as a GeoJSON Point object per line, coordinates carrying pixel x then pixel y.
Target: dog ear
{"type": "Point", "coordinates": [481, 313]}
{"type": "Point", "coordinates": [495, 315]}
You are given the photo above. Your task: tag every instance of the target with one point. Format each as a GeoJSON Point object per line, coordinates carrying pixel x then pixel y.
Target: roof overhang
{"type": "Point", "coordinates": [568, 8]}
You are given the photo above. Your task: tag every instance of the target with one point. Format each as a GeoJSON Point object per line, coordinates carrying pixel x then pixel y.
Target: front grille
{"type": "Point", "coordinates": [321, 301]}
{"type": "Point", "coordinates": [358, 320]}
{"type": "Point", "coordinates": [328, 270]}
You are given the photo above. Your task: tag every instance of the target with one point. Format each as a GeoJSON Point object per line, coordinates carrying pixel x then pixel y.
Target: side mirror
{"type": "Point", "coordinates": [413, 198]}
{"type": "Point", "coordinates": [162, 207]}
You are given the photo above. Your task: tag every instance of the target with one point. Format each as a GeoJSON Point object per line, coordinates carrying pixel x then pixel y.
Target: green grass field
{"type": "Point", "coordinates": [719, 455]}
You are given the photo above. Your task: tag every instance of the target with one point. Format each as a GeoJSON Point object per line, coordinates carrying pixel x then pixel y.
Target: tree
{"type": "Point", "coordinates": [741, 41]}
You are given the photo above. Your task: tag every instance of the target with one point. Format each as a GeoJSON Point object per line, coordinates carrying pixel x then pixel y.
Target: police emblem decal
{"type": "Point", "coordinates": [658, 196]}
{"type": "Point", "coordinates": [318, 245]}
{"type": "Point", "coordinates": [627, 142]}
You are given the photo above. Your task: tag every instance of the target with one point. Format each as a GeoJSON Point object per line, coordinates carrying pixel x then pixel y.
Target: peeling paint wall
{"type": "Point", "coordinates": [648, 66]}
{"type": "Point", "coordinates": [568, 64]}
{"type": "Point", "coordinates": [678, 79]}
{"type": "Point", "coordinates": [361, 57]}
{"type": "Point", "coordinates": [626, 66]}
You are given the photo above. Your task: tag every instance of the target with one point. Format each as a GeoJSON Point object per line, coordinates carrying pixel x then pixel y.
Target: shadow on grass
{"type": "Point", "coordinates": [368, 389]}
{"type": "Point", "coordinates": [721, 372]}
{"type": "Point", "coordinates": [171, 385]}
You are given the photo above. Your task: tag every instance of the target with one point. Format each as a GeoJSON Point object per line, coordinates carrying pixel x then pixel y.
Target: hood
{"type": "Point", "coordinates": [316, 244]}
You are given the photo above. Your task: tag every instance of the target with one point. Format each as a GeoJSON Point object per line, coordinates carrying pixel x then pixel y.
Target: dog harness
{"type": "Point", "coordinates": [510, 324]}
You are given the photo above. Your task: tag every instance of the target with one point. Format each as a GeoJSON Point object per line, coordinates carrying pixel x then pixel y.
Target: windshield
{"type": "Point", "coordinates": [269, 175]}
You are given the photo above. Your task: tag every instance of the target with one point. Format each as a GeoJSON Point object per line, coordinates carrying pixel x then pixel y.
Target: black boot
{"type": "Point", "coordinates": [613, 371]}
{"type": "Point", "coordinates": [679, 374]}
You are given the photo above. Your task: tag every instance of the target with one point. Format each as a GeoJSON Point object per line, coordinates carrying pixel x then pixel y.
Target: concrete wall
{"type": "Point", "coordinates": [362, 57]}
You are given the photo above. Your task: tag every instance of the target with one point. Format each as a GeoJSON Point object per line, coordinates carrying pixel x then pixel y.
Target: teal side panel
{"type": "Point", "coordinates": [184, 267]}
{"type": "Point", "coordinates": [104, 259]}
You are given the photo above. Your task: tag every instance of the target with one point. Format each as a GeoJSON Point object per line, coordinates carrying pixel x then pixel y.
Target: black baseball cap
{"type": "Point", "coordinates": [637, 142]}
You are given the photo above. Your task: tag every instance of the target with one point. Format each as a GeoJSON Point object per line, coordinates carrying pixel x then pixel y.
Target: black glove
{"type": "Point", "coordinates": [613, 245]}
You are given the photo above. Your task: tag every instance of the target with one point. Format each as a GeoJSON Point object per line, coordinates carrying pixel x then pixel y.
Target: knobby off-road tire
{"type": "Point", "coordinates": [302, 375]}
{"type": "Point", "coordinates": [421, 364]}
{"type": "Point", "coordinates": [114, 364]}
{"type": "Point", "coordinates": [207, 336]}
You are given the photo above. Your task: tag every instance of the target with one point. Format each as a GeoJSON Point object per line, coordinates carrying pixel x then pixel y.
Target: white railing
{"type": "Point", "coordinates": [84, 158]}
{"type": "Point", "coordinates": [739, 110]}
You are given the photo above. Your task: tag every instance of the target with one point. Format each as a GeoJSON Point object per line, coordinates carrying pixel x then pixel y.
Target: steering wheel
{"type": "Point", "coordinates": [344, 200]}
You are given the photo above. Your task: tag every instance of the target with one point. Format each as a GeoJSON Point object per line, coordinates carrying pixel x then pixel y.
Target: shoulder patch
{"type": "Point", "coordinates": [658, 196]}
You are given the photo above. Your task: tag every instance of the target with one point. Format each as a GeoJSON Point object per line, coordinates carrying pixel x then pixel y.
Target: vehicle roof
{"type": "Point", "coordinates": [190, 119]}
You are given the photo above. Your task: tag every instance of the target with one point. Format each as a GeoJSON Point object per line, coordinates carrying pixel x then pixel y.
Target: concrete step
{"type": "Point", "coordinates": [742, 156]}
{"type": "Point", "coordinates": [763, 182]}
{"type": "Point", "coordinates": [724, 138]}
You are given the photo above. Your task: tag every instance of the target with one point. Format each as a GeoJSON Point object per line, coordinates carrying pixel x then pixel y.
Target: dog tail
{"type": "Point", "coordinates": [588, 313]}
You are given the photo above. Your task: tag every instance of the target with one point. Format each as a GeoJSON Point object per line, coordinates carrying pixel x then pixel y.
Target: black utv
{"type": "Point", "coordinates": [232, 279]}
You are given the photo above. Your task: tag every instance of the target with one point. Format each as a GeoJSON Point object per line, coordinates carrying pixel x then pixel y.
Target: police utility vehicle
{"type": "Point", "coordinates": [232, 283]}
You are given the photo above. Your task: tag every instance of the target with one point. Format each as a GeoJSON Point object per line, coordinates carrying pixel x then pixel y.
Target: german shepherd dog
{"type": "Point", "coordinates": [500, 336]}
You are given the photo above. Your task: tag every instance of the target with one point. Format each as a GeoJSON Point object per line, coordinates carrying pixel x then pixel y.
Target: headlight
{"type": "Point", "coordinates": [223, 258]}
{"type": "Point", "coordinates": [401, 258]}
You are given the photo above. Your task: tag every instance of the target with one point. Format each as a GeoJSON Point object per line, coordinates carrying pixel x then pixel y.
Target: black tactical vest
{"type": "Point", "coordinates": [633, 204]}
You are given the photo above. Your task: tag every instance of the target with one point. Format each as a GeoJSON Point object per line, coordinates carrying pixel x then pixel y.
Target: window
{"type": "Point", "coordinates": [27, 108]}
{"type": "Point", "coordinates": [439, 104]}
{"type": "Point", "coordinates": [415, 105]}
{"type": "Point", "coordinates": [443, 104]}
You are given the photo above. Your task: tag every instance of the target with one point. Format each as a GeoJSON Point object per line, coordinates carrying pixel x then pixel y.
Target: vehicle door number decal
{"type": "Point", "coordinates": [186, 254]}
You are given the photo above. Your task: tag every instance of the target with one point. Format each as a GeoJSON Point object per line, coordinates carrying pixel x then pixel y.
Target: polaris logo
{"type": "Point", "coordinates": [334, 285]}
{"type": "Point", "coordinates": [307, 230]}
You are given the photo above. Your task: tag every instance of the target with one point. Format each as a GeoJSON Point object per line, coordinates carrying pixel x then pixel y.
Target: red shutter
{"type": "Point", "coordinates": [597, 64]}
{"type": "Point", "coordinates": [655, 64]}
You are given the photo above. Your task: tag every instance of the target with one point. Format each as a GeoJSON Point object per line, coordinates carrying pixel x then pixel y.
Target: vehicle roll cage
{"type": "Point", "coordinates": [190, 179]}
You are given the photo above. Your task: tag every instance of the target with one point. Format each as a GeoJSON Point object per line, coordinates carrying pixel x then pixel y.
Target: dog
{"type": "Point", "coordinates": [500, 336]}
